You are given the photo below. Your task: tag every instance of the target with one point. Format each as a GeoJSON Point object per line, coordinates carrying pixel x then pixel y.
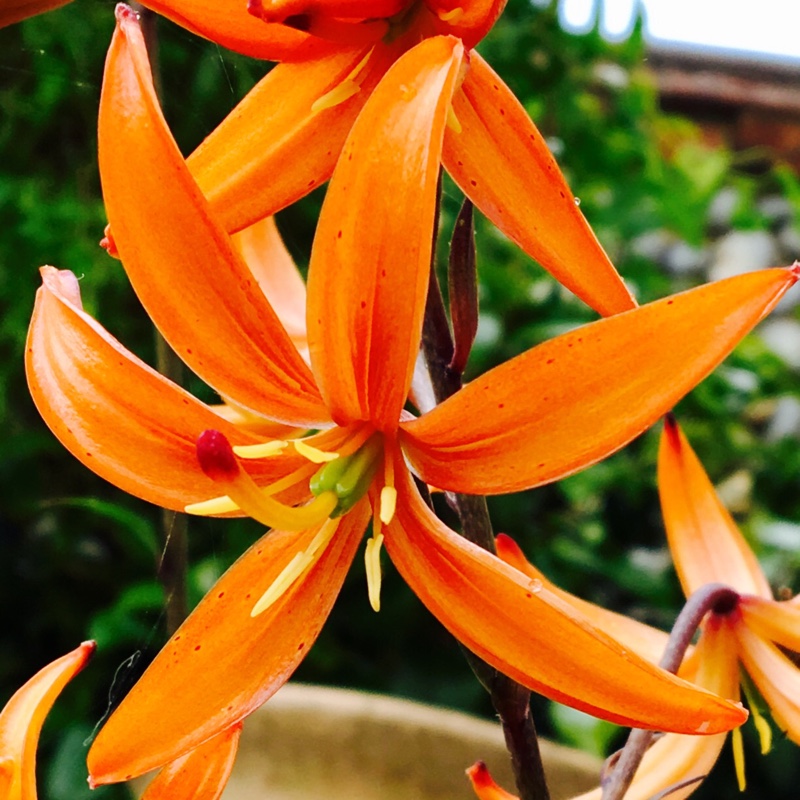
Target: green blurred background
{"type": "Point", "coordinates": [79, 559]}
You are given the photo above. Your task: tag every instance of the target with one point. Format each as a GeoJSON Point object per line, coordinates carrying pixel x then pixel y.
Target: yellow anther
{"type": "Point", "coordinates": [336, 96]}
{"type": "Point", "coordinates": [738, 757]}
{"type": "Point", "coordinates": [388, 504]}
{"type": "Point", "coordinates": [452, 120]}
{"type": "Point", "coordinates": [372, 561]}
{"type": "Point", "coordinates": [263, 450]}
{"type": "Point", "coordinates": [453, 15]}
{"type": "Point", "coordinates": [761, 724]}
{"type": "Point", "coordinates": [314, 455]}
{"type": "Point", "coordinates": [213, 507]}
{"type": "Point", "coordinates": [298, 565]}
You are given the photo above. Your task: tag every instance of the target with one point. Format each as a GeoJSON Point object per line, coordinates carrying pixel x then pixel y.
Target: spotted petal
{"type": "Point", "coordinates": [579, 397]}
{"type": "Point", "coordinates": [501, 161]}
{"type": "Point", "coordinates": [369, 268]}
{"type": "Point", "coordinates": [181, 263]}
{"type": "Point", "coordinates": [121, 418]}
{"type": "Point", "coordinates": [533, 636]}
{"type": "Point", "coordinates": [223, 663]}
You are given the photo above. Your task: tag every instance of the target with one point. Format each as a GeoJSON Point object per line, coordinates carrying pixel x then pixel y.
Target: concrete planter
{"type": "Point", "coordinates": [317, 743]}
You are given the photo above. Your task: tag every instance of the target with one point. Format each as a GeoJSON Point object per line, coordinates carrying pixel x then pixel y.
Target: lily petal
{"type": "Point", "coordinates": [533, 636]}
{"type": "Point", "coordinates": [199, 775]}
{"type": "Point", "coordinates": [264, 252]}
{"type": "Point", "coordinates": [577, 398]}
{"type": "Point", "coordinates": [180, 262]}
{"type": "Point", "coordinates": [777, 678]}
{"type": "Point", "coordinates": [676, 758]}
{"type": "Point", "coordinates": [223, 663]}
{"type": "Point", "coordinates": [142, 431]}
{"type": "Point", "coordinates": [777, 621]}
{"type": "Point", "coordinates": [647, 642]}
{"type": "Point", "coordinates": [368, 275]}
{"type": "Point", "coordinates": [228, 23]}
{"type": "Point", "coordinates": [16, 10]}
{"type": "Point", "coordinates": [21, 722]}
{"type": "Point", "coordinates": [274, 147]}
{"type": "Point", "coordinates": [502, 163]}
{"type": "Point", "coordinates": [706, 545]}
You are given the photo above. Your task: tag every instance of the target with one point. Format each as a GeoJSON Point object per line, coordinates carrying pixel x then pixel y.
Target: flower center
{"type": "Point", "coordinates": [336, 486]}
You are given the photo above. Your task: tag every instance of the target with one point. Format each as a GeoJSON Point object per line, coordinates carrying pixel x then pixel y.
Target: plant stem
{"type": "Point", "coordinates": [510, 699]}
{"type": "Point", "coordinates": [714, 597]}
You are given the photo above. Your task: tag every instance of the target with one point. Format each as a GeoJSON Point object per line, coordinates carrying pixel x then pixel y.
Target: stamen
{"type": "Point", "coordinates": [263, 450]}
{"type": "Point", "coordinates": [761, 724]}
{"type": "Point", "coordinates": [453, 121]}
{"type": "Point", "coordinates": [349, 477]}
{"type": "Point", "coordinates": [344, 90]}
{"type": "Point", "coordinates": [453, 15]}
{"type": "Point", "coordinates": [299, 564]}
{"type": "Point", "coordinates": [213, 507]}
{"type": "Point", "coordinates": [738, 757]}
{"type": "Point", "coordinates": [314, 455]}
{"type": "Point", "coordinates": [372, 561]}
{"type": "Point", "coordinates": [219, 463]}
{"type": "Point", "coordinates": [388, 504]}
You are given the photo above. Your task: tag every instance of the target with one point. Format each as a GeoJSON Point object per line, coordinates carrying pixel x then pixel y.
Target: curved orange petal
{"type": "Point", "coordinates": [13, 11]}
{"type": "Point", "coordinates": [777, 621]}
{"type": "Point", "coordinates": [118, 416]}
{"type": "Point", "coordinates": [228, 23]}
{"type": "Point", "coordinates": [265, 254]}
{"type": "Point", "coordinates": [501, 162]}
{"type": "Point", "coordinates": [469, 20]}
{"type": "Point", "coordinates": [182, 265]}
{"type": "Point", "coordinates": [351, 9]}
{"type": "Point", "coordinates": [706, 545]}
{"type": "Point", "coordinates": [368, 276]}
{"type": "Point", "coordinates": [199, 775]}
{"type": "Point", "coordinates": [222, 663]}
{"type": "Point", "coordinates": [577, 398]}
{"type": "Point", "coordinates": [21, 722]}
{"type": "Point", "coordinates": [484, 785]}
{"type": "Point", "coordinates": [274, 147]}
{"type": "Point", "coordinates": [530, 634]}
{"type": "Point", "coordinates": [676, 757]}
{"type": "Point", "coordinates": [647, 642]}
{"type": "Point", "coordinates": [777, 678]}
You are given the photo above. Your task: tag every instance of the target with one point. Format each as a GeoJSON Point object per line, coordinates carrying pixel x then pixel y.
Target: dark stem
{"type": "Point", "coordinates": [510, 699]}
{"type": "Point", "coordinates": [714, 597]}
{"type": "Point", "coordinates": [174, 556]}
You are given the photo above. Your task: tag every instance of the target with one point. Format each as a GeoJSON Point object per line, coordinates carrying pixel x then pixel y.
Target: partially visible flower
{"type": "Point", "coordinates": [707, 547]}
{"type": "Point", "coordinates": [285, 137]}
{"type": "Point", "coordinates": [547, 413]}
{"type": "Point", "coordinates": [200, 774]}
{"type": "Point", "coordinates": [12, 11]}
{"type": "Point", "coordinates": [21, 722]}
{"type": "Point", "coordinates": [757, 631]}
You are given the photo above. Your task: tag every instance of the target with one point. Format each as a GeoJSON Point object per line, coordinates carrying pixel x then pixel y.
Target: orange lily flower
{"type": "Point", "coordinates": [547, 413]}
{"type": "Point", "coordinates": [674, 759]}
{"type": "Point", "coordinates": [12, 11]}
{"type": "Point", "coordinates": [22, 718]}
{"type": "Point", "coordinates": [285, 137]}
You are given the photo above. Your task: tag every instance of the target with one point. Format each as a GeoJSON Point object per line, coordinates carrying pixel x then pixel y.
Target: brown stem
{"type": "Point", "coordinates": [713, 597]}
{"type": "Point", "coordinates": [510, 699]}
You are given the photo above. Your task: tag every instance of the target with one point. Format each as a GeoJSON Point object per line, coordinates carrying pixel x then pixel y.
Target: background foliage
{"type": "Point", "coordinates": [79, 559]}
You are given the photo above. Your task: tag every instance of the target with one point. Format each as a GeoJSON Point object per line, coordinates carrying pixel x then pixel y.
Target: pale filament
{"type": "Point", "coordinates": [344, 90]}
{"type": "Point", "coordinates": [299, 564]}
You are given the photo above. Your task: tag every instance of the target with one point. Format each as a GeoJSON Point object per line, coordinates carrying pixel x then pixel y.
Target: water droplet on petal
{"type": "Point", "coordinates": [535, 586]}
{"type": "Point", "coordinates": [577, 201]}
